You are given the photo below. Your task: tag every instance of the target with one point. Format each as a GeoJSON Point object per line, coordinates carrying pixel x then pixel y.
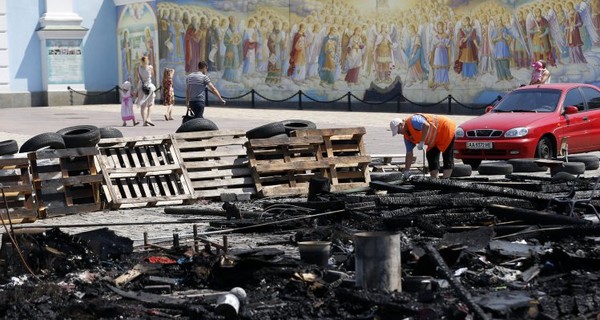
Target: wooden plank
{"type": "Point", "coordinates": [287, 141]}
{"type": "Point", "coordinates": [8, 162]}
{"type": "Point", "coordinates": [327, 132]}
{"type": "Point", "coordinates": [210, 154]}
{"type": "Point", "coordinates": [291, 166]}
{"type": "Point", "coordinates": [212, 142]}
{"type": "Point", "coordinates": [143, 171]}
{"type": "Point", "coordinates": [65, 153]}
{"type": "Point", "coordinates": [209, 134]}
{"type": "Point", "coordinates": [221, 183]}
{"type": "Point", "coordinates": [222, 173]}
{"type": "Point", "coordinates": [350, 160]}
{"type": "Point", "coordinates": [284, 191]}
{"type": "Point", "coordinates": [218, 164]}
{"type": "Point", "coordinates": [154, 199]}
{"type": "Point", "coordinates": [213, 193]}
{"type": "Point", "coordinates": [69, 181]}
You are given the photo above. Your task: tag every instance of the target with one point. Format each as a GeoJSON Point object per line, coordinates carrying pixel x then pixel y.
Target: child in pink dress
{"type": "Point", "coordinates": [168, 95]}
{"type": "Point", "coordinates": [127, 104]}
{"type": "Point", "coordinates": [539, 75]}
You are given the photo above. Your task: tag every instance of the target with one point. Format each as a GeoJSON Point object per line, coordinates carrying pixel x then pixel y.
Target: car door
{"type": "Point", "coordinates": [577, 124]}
{"type": "Point", "coordinates": [592, 99]}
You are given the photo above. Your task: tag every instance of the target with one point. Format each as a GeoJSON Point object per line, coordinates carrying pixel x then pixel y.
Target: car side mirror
{"type": "Point", "coordinates": [488, 109]}
{"type": "Point", "coordinates": [571, 110]}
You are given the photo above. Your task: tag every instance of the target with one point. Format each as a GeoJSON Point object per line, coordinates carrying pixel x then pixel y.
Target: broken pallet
{"type": "Point", "coordinates": [216, 162]}
{"type": "Point", "coordinates": [15, 182]}
{"type": "Point", "coordinates": [66, 181]}
{"type": "Point", "coordinates": [143, 171]}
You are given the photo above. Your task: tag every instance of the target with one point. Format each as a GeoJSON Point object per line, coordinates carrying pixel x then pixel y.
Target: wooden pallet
{"type": "Point", "coordinates": [66, 181]}
{"type": "Point", "coordinates": [344, 149]}
{"type": "Point", "coordinates": [216, 162]}
{"type": "Point", "coordinates": [284, 166]}
{"type": "Point", "coordinates": [18, 190]}
{"type": "Point", "coordinates": [143, 171]}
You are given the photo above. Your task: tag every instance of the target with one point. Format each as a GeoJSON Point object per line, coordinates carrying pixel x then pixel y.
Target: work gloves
{"type": "Point", "coordinates": [405, 175]}
{"type": "Point", "coordinates": [420, 145]}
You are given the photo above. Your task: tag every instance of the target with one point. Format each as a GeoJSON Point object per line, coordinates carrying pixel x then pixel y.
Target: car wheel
{"type": "Point", "coordinates": [50, 140]}
{"type": "Point", "coordinates": [474, 163]}
{"type": "Point", "coordinates": [544, 149]}
{"type": "Point", "coordinates": [80, 136]}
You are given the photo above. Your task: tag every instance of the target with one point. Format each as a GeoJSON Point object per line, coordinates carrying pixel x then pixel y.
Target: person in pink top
{"type": "Point", "coordinates": [540, 75]}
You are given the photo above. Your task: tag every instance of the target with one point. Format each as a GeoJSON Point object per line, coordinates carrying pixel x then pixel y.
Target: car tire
{"type": "Point", "coordinates": [461, 170]}
{"type": "Point", "coordinates": [297, 124]}
{"type": "Point", "coordinates": [196, 125]}
{"type": "Point", "coordinates": [591, 162]}
{"type": "Point", "coordinates": [109, 133]}
{"type": "Point", "coordinates": [569, 167]}
{"type": "Point", "coordinates": [526, 165]}
{"type": "Point", "coordinates": [545, 149]}
{"type": "Point", "coordinates": [80, 136]}
{"type": "Point", "coordinates": [266, 131]}
{"type": "Point", "coordinates": [50, 140]}
{"type": "Point", "coordinates": [474, 163]}
{"type": "Point", "coordinates": [495, 168]}
{"type": "Point", "coordinates": [8, 147]}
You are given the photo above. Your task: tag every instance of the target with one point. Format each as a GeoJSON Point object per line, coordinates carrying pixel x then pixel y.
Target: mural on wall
{"type": "Point", "coordinates": [471, 49]}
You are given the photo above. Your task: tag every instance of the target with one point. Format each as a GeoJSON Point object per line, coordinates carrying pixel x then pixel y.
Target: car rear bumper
{"type": "Point", "coordinates": [502, 149]}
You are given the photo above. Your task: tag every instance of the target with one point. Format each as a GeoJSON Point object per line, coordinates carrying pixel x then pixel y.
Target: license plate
{"type": "Point", "coordinates": [479, 145]}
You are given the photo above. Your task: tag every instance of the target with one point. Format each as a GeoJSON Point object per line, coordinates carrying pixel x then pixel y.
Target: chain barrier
{"type": "Point", "coordinates": [375, 103]}
{"type": "Point", "coordinates": [397, 98]}
{"type": "Point", "coordinates": [475, 108]}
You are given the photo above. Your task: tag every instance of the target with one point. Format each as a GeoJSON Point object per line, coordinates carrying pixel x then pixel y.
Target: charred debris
{"type": "Point", "coordinates": [520, 247]}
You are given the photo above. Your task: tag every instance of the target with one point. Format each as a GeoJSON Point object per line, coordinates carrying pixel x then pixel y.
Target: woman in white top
{"type": "Point", "coordinates": [145, 100]}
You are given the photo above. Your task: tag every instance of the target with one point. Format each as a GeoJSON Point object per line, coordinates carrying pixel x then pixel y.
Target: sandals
{"type": "Point", "coordinates": [149, 123]}
{"type": "Point", "coordinates": [166, 118]}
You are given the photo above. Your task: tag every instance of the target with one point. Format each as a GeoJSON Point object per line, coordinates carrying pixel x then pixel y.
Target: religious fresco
{"type": "Point", "coordinates": [471, 49]}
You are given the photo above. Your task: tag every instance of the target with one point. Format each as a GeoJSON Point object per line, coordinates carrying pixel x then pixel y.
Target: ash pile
{"type": "Point", "coordinates": [520, 247]}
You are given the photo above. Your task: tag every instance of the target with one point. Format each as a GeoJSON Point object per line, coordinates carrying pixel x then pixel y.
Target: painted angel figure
{"type": "Point", "coordinates": [315, 40]}
{"type": "Point", "coordinates": [249, 47]}
{"type": "Point", "coordinates": [501, 38]}
{"type": "Point", "coordinates": [557, 20]}
{"type": "Point", "coordinates": [232, 40]}
{"type": "Point", "coordinates": [591, 36]}
{"type": "Point", "coordinates": [371, 35]}
{"type": "Point", "coordinates": [327, 58]}
{"type": "Point", "coordinates": [538, 32]}
{"type": "Point", "coordinates": [298, 58]}
{"type": "Point", "coordinates": [416, 65]}
{"type": "Point", "coordinates": [439, 58]}
{"type": "Point", "coordinates": [384, 55]}
{"type": "Point", "coordinates": [486, 54]}
{"type": "Point", "coordinates": [466, 35]}
{"type": "Point", "coordinates": [520, 48]}
{"type": "Point", "coordinates": [354, 55]}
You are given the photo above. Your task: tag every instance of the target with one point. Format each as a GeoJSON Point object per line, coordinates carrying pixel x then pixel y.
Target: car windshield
{"type": "Point", "coordinates": [529, 101]}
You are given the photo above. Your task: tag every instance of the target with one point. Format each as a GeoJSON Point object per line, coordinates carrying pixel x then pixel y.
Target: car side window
{"type": "Point", "coordinates": [592, 97]}
{"type": "Point", "coordinates": [574, 98]}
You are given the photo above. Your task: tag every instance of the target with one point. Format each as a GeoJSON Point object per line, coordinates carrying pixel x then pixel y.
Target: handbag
{"type": "Point", "coordinates": [146, 89]}
{"type": "Point", "coordinates": [189, 115]}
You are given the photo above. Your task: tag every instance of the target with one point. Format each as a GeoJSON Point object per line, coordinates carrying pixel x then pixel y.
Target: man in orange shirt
{"type": "Point", "coordinates": [435, 131]}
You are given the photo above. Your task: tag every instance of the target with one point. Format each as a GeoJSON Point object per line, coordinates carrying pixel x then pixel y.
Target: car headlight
{"type": "Point", "coordinates": [516, 132]}
{"type": "Point", "coordinates": [460, 133]}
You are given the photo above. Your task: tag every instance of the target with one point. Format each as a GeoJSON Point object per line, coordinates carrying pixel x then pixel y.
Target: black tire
{"type": "Point", "coordinates": [297, 124]}
{"type": "Point", "coordinates": [526, 165]}
{"type": "Point", "coordinates": [8, 147]}
{"type": "Point", "coordinates": [109, 133]}
{"type": "Point", "coordinates": [545, 149]}
{"type": "Point", "coordinates": [266, 131]}
{"type": "Point", "coordinates": [80, 136]}
{"type": "Point", "coordinates": [569, 167]}
{"type": "Point", "coordinates": [50, 140]}
{"type": "Point", "coordinates": [197, 124]}
{"type": "Point", "coordinates": [495, 168]}
{"type": "Point", "coordinates": [461, 170]}
{"type": "Point", "coordinates": [474, 163]}
{"type": "Point", "coordinates": [591, 162]}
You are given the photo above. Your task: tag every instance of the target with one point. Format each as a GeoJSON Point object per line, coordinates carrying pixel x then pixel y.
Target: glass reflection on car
{"type": "Point", "coordinates": [529, 101]}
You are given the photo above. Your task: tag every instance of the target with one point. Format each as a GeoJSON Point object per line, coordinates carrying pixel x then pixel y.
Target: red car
{"type": "Point", "coordinates": [533, 122]}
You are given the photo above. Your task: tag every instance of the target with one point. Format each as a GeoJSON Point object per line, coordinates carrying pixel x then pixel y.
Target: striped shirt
{"type": "Point", "coordinates": [197, 82]}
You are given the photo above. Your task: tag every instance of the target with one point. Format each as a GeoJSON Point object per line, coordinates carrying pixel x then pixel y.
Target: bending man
{"type": "Point", "coordinates": [435, 131]}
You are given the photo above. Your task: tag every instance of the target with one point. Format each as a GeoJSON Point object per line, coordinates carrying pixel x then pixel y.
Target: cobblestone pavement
{"type": "Point", "coordinates": [22, 123]}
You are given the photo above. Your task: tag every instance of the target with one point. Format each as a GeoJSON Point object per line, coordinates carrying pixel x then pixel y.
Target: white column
{"type": "Point", "coordinates": [4, 71]}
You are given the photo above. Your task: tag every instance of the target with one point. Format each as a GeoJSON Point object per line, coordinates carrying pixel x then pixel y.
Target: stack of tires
{"type": "Point", "coordinates": [279, 129]}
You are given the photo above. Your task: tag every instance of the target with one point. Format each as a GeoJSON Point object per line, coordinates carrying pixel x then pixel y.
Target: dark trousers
{"type": "Point", "coordinates": [197, 108]}
{"type": "Point", "coordinates": [433, 157]}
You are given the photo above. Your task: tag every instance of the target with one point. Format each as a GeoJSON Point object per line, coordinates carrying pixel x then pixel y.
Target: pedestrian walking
{"type": "Point", "coordinates": [145, 90]}
{"type": "Point", "coordinates": [195, 85]}
{"type": "Point", "coordinates": [539, 74]}
{"type": "Point", "coordinates": [127, 104]}
{"type": "Point", "coordinates": [168, 94]}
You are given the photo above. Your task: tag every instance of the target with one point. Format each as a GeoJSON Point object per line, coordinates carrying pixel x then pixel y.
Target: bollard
{"type": "Point", "coordinates": [378, 260]}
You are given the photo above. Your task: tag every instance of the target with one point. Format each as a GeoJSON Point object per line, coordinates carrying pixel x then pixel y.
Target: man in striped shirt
{"type": "Point", "coordinates": [195, 86]}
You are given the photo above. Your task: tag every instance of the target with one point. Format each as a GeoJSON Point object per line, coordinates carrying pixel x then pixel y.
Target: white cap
{"type": "Point", "coordinates": [394, 125]}
{"type": "Point", "coordinates": [126, 85]}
